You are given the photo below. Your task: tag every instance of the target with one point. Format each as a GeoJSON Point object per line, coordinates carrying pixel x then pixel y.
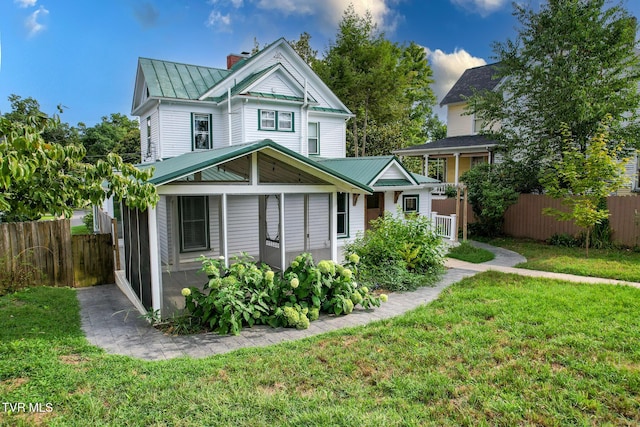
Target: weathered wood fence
{"type": "Point", "coordinates": [63, 259]}
{"type": "Point", "coordinates": [525, 218]}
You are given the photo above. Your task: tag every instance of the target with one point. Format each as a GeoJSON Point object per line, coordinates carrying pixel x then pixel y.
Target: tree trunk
{"type": "Point", "coordinates": [364, 132]}
{"type": "Point", "coordinates": [355, 136]}
{"type": "Point", "coordinates": [586, 243]}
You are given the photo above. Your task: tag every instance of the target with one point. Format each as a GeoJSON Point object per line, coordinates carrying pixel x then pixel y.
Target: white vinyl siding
{"type": "Point", "coordinates": [243, 225]}
{"type": "Point", "coordinates": [164, 230]}
{"type": "Point", "coordinates": [149, 153]}
{"type": "Point", "coordinates": [277, 84]}
{"type": "Point", "coordinates": [458, 122]}
{"type": "Point", "coordinates": [332, 135]}
{"type": "Point", "coordinates": [319, 221]}
{"type": "Point", "coordinates": [291, 140]}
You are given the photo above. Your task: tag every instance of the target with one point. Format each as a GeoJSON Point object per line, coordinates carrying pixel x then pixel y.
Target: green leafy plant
{"type": "Point", "coordinates": [151, 316]}
{"type": "Point", "coordinates": [400, 252]}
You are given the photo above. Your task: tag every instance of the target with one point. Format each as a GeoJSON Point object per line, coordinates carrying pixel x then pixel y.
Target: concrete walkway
{"type": "Point", "coordinates": [110, 321]}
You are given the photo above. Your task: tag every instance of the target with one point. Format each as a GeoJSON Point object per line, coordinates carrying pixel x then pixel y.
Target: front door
{"type": "Point", "coordinates": [374, 207]}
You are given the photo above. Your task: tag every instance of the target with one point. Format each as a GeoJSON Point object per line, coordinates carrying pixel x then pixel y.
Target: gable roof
{"type": "Point", "coordinates": [166, 79]}
{"type": "Point", "coordinates": [368, 170]}
{"type": "Point", "coordinates": [450, 144]}
{"type": "Point", "coordinates": [472, 80]}
{"type": "Point", "coordinates": [189, 163]}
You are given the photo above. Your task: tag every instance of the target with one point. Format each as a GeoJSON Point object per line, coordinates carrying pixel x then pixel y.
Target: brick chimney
{"type": "Point", "coordinates": [234, 58]}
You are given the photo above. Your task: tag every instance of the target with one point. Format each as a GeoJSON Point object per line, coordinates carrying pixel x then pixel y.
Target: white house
{"type": "Point", "coordinates": [249, 159]}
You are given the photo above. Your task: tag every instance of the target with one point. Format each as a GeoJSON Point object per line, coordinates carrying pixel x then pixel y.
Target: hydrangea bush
{"type": "Point", "coordinates": [246, 294]}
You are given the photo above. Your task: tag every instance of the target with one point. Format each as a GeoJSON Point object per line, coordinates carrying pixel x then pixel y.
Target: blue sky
{"type": "Point", "coordinates": [83, 54]}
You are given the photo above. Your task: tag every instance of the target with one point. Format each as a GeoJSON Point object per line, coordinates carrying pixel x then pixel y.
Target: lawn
{"type": "Point", "coordinates": [622, 264]}
{"type": "Point", "coordinates": [469, 253]}
{"type": "Point", "coordinates": [494, 349]}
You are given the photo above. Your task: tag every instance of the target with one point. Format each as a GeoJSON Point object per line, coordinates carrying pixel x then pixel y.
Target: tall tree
{"type": "Point", "coordinates": [302, 46]}
{"type": "Point", "coordinates": [382, 83]}
{"type": "Point", "coordinates": [116, 134]}
{"type": "Point", "coordinates": [572, 64]}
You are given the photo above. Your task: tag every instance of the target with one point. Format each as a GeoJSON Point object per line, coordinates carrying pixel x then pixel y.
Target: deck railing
{"type": "Point", "coordinates": [446, 225]}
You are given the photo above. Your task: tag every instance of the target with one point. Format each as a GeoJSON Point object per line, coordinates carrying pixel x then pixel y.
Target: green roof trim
{"type": "Point", "coordinates": [188, 163]}
{"type": "Point", "coordinates": [421, 179]}
{"type": "Point", "coordinates": [329, 110]}
{"type": "Point", "coordinates": [361, 169]}
{"type": "Point", "coordinates": [392, 183]}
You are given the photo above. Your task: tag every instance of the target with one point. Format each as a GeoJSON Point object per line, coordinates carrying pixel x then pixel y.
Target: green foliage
{"type": "Point", "coordinates": [465, 251]}
{"type": "Point", "coordinates": [398, 253]}
{"type": "Point", "coordinates": [573, 62]}
{"type": "Point", "coordinates": [584, 178]}
{"type": "Point", "coordinates": [39, 177]}
{"type": "Point", "coordinates": [387, 87]}
{"type": "Point", "coordinates": [114, 134]}
{"type": "Point", "coordinates": [490, 193]}
{"type": "Point", "coordinates": [23, 274]}
{"type": "Point", "coordinates": [245, 294]}
{"type": "Point", "coordinates": [87, 220]}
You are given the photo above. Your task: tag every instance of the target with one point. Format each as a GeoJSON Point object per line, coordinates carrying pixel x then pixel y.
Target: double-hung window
{"type": "Point", "coordinates": [343, 214]}
{"type": "Point", "coordinates": [194, 223]}
{"type": "Point", "coordinates": [313, 137]}
{"type": "Point", "coordinates": [267, 120]}
{"type": "Point", "coordinates": [282, 121]}
{"type": "Point", "coordinates": [201, 131]}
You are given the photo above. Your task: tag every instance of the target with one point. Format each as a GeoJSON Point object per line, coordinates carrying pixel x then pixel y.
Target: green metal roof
{"type": "Point", "coordinates": [173, 80]}
{"type": "Point", "coordinates": [393, 182]}
{"type": "Point", "coordinates": [361, 169]}
{"type": "Point", "coordinates": [329, 110]}
{"type": "Point", "coordinates": [185, 164]}
{"type": "Point", "coordinates": [421, 179]}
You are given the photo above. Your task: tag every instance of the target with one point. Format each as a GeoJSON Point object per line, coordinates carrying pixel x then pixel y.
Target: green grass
{"type": "Point", "coordinates": [494, 349]}
{"type": "Point", "coordinates": [80, 229]}
{"type": "Point", "coordinates": [469, 253]}
{"type": "Point", "coordinates": [621, 264]}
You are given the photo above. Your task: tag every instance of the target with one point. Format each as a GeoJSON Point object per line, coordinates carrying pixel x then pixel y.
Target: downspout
{"type": "Point", "coordinates": [304, 127]}
{"type": "Point", "coordinates": [229, 115]}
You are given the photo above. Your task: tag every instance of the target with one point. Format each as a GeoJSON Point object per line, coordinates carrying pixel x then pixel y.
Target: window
{"type": "Point", "coordinates": [313, 138]}
{"type": "Point", "coordinates": [201, 131]}
{"type": "Point", "coordinates": [343, 214]}
{"type": "Point", "coordinates": [149, 136]}
{"type": "Point", "coordinates": [267, 120]}
{"type": "Point", "coordinates": [276, 120]}
{"type": "Point", "coordinates": [285, 121]}
{"type": "Point", "coordinates": [438, 169]}
{"type": "Point", "coordinates": [194, 223]}
{"type": "Point", "coordinates": [475, 161]}
{"type": "Point", "coordinates": [410, 204]}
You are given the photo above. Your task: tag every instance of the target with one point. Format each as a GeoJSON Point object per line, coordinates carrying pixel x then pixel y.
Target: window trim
{"type": "Point", "coordinates": [345, 234]}
{"type": "Point", "coordinates": [317, 138]}
{"type": "Point", "coordinates": [193, 132]}
{"type": "Point", "coordinates": [148, 137]}
{"type": "Point", "coordinates": [406, 197]}
{"type": "Point", "coordinates": [276, 126]}
{"type": "Point", "coordinates": [181, 225]}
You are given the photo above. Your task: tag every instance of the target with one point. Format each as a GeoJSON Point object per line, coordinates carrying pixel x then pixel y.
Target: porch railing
{"type": "Point", "coordinates": [445, 225]}
{"type": "Point", "coordinates": [441, 188]}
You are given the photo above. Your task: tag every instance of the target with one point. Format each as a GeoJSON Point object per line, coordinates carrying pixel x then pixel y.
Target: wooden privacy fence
{"type": "Point", "coordinates": [63, 259]}
{"type": "Point", "coordinates": [525, 218]}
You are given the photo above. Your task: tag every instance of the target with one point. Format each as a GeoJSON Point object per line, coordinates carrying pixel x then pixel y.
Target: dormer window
{"type": "Point", "coordinates": [201, 131]}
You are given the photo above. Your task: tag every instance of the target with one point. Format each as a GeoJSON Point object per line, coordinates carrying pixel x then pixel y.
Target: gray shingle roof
{"type": "Point", "coordinates": [473, 79]}
{"type": "Point", "coordinates": [453, 142]}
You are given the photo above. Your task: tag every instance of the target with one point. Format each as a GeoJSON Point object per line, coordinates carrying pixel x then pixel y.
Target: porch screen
{"type": "Point", "coordinates": [194, 234]}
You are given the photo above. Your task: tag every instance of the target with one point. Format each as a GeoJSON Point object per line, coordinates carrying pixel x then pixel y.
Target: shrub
{"type": "Point", "coordinates": [398, 253]}
{"type": "Point", "coordinates": [87, 220]}
{"type": "Point", "coordinates": [247, 294]}
{"type": "Point", "coordinates": [22, 275]}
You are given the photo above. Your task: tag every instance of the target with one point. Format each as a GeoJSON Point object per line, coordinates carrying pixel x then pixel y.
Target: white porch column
{"type": "Point", "coordinates": [283, 244]}
{"type": "Point", "coordinates": [457, 167]}
{"type": "Point", "coordinates": [489, 157]}
{"type": "Point", "coordinates": [454, 228]}
{"type": "Point", "coordinates": [154, 260]}
{"type": "Point", "coordinates": [224, 250]}
{"type": "Point", "coordinates": [426, 164]}
{"type": "Point", "coordinates": [333, 226]}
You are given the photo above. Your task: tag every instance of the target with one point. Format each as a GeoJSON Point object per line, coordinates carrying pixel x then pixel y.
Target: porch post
{"type": "Point", "coordinates": [224, 250]}
{"type": "Point", "coordinates": [283, 240]}
{"type": "Point", "coordinates": [333, 226]}
{"type": "Point", "coordinates": [154, 260]}
{"type": "Point", "coordinates": [426, 164]}
{"type": "Point", "coordinates": [457, 167]}
{"type": "Point", "coordinates": [489, 156]}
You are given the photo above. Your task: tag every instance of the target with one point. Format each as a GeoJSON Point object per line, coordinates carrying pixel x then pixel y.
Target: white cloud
{"type": "Point", "coordinates": [483, 7]}
{"type": "Point", "coordinates": [25, 3]}
{"type": "Point", "coordinates": [33, 26]}
{"type": "Point", "coordinates": [447, 69]}
{"type": "Point", "coordinates": [330, 11]}
{"type": "Point", "coordinates": [219, 21]}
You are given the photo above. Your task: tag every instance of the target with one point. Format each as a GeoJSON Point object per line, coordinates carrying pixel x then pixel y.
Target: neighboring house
{"type": "Point", "coordinates": [249, 159]}
{"type": "Point", "coordinates": [447, 159]}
